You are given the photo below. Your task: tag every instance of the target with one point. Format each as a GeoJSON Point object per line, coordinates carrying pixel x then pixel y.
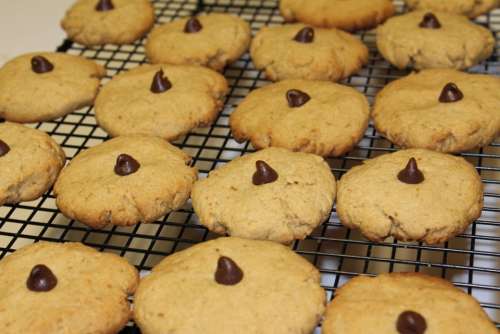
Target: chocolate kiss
{"type": "Point", "coordinates": [4, 148]}
{"type": "Point", "coordinates": [41, 279]}
{"type": "Point", "coordinates": [296, 98]}
{"type": "Point", "coordinates": [160, 83]}
{"type": "Point", "coordinates": [264, 174]}
{"type": "Point", "coordinates": [430, 21]}
{"type": "Point", "coordinates": [411, 174]}
{"type": "Point", "coordinates": [305, 35]}
{"type": "Point", "coordinates": [410, 322]}
{"type": "Point", "coordinates": [126, 165]}
{"type": "Point", "coordinates": [450, 93]}
{"type": "Point", "coordinates": [40, 65]}
{"type": "Point", "coordinates": [192, 25]}
{"type": "Point", "coordinates": [228, 272]}
{"type": "Point", "coordinates": [104, 5]}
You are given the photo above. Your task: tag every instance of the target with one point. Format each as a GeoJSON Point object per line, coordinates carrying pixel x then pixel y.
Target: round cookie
{"type": "Point", "coordinates": [433, 40]}
{"type": "Point", "coordinates": [96, 22]}
{"type": "Point", "coordinates": [295, 51]}
{"type": "Point", "coordinates": [64, 288]}
{"type": "Point", "coordinates": [162, 100]}
{"type": "Point", "coordinates": [310, 116]}
{"type": "Point", "coordinates": [30, 161]}
{"type": "Point", "coordinates": [404, 303]}
{"type": "Point", "coordinates": [442, 110]}
{"type": "Point", "coordinates": [213, 40]}
{"type": "Point", "coordinates": [42, 86]}
{"type": "Point", "coordinates": [346, 15]}
{"type": "Point", "coordinates": [125, 181]}
{"type": "Point", "coordinates": [228, 286]}
{"type": "Point", "coordinates": [273, 194]}
{"type": "Point", "coordinates": [470, 8]}
{"type": "Point", "coordinates": [412, 195]}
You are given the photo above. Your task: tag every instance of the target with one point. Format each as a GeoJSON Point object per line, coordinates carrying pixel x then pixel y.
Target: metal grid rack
{"type": "Point", "coordinates": [471, 261]}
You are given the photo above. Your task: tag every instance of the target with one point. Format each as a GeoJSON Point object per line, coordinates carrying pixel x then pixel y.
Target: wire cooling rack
{"type": "Point", "coordinates": [471, 261]}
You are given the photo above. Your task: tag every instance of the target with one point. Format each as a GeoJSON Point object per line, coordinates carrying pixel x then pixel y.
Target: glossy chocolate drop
{"type": "Point", "coordinates": [430, 21]}
{"type": "Point", "coordinates": [104, 5]}
{"type": "Point", "coordinates": [160, 83]}
{"type": "Point", "coordinates": [264, 174]}
{"type": "Point", "coordinates": [4, 148]}
{"type": "Point", "coordinates": [296, 98]}
{"type": "Point", "coordinates": [228, 272]}
{"type": "Point", "coordinates": [41, 279]}
{"type": "Point", "coordinates": [411, 174]}
{"type": "Point", "coordinates": [192, 25]}
{"type": "Point", "coordinates": [126, 165]}
{"type": "Point", "coordinates": [410, 322]}
{"type": "Point", "coordinates": [450, 94]}
{"type": "Point", "coordinates": [305, 35]}
{"type": "Point", "coordinates": [41, 64]}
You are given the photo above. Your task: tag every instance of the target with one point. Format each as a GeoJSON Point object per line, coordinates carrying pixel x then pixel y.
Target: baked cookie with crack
{"type": "Point", "coordinates": [273, 194]}
{"type": "Point", "coordinates": [347, 15]}
{"type": "Point", "coordinates": [231, 285]}
{"type": "Point", "coordinates": [124, 181]}
{"type": "Point", "coordinates": [213, 40]}
{"type": "Point", "coordinates": [162, 100]}
{"type": "Point", "coordinates": [30, 161]}
{"type": "Point", "coordinates": [412, 195]}
{"type": "Point", "coordinates": [423, 40]}
{"type": "Point", "coordinates": [317, 117]}
{"type": "Point", "coordinates": [97, 22]}
{"type": "Point", "coordinates": [470, 8]}
{"type": "Point", "coordinates": [404, 303]}
{"type": "Point", "coordinates": [296, 51]}
{"type": "Point", "coordinates": [42, 86]}
{"type": "Point", "coordinates": [440, 109]}
{"type": "Point", "coordinates": [64, 288]}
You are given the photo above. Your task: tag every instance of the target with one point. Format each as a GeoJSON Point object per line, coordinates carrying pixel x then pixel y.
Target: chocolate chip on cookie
{"type": "Point", "coordinates": [40, 64]}
{"type": "Point", "coordinates": [126, 165]}
{"type": "Point", "coordinates": [4, 148]}
{"type": "Point", "coordinates": [411, 174]}
{"type": "Point", "coordinates": [228, 272]}
{"type": "Point", "coordinates": [264, 174]}
{"type": "Point", "coordinates": [451, 93]}
{"type": "Point", "coordinates": [192, 25]}
{"type": "Point", "coordinates": [296, 98]}
{"type": "Point", "coordinates": [41, 279]}
{"type": "Point", "coordinates": [430, 21]}
{"type": "Point", "coordinates": [410, 322]}
{"type": "Point", "coordinates": [305, 35]}
{"type": "Point", "coordinates": [160, 83]}
{"type": "Point", "coordinates": [104, 5]}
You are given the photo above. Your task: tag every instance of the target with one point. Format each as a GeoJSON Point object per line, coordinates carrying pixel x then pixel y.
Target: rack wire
{"type": "Point", "coordinates": [471, 260]}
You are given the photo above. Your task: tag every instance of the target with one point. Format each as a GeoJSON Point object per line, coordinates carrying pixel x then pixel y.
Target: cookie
{"type": "Point", "coordinates": [162, 100]}
{"type": "Point", "coordinates": [310, 116]}
{"type": "Point", "coordinates": [213, 40]}
{"type": "Point", "coordinates": [470, 8]}
{"type": "Point", "coordinates": [404, 303]}
{"type": "Point", "coordinates": [125, 181]}
{"type": "Point", "coordinates": [412, 195]}
{"type": "Point", "coordinates": [96, 22]}
{"type": "Point", "coordinates": [433, 40]}
{"type": "Point", "coordinates": [296, 51]}
{"type": "Point", "coordinates": [273, 194]}
{"type": "Point", "coordinates": [64, 288]}
{"type": "Point", "coordinates": [442, 110]}
{"type": "Point", "coordinates": [42, 86]}
{"type": "Point", "coordinates": [30, 161]}
{"type": "Point", "coordinates": [231, 285]}
{"type": "Point", "coordinates": [346, 15]}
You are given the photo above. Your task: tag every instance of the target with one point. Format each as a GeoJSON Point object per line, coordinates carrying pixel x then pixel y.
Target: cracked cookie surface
{"type": "Point", "coordinates": [89, 296]}
{"type": "Point", "coordinates": [408, 111]}
{"type": "Point", "coordinates": [90, 190]}
{"type": "Point", "coordinates": [437, 306]}
{"type": "Point", "coordinates": [223, 38]}
{"type": "Point", "coordinates": [228, 201]}
{"type": "Point", "coordinates": [279, 292]}
{"type": "Point", "coordinates": [470, 8]}
{"type": "Point", "coordinates": [30, 166]}
{"type": "Point", "coordinates": [346, 15]}
{"type": "Point", "coordinates": [126, 22]}
{"type": "Point", "coordinates": [27, 96]}
{"type": "Point", "coordinates": [457, 44]}
{"type": "Point", "coordinates": [330, 123]}
{"type": "Point", "coordinates": [126, 104]}
{"type": "Point", "coordinates": [332, 55]}
{"type": "Point", "coordinates": [372, 198]}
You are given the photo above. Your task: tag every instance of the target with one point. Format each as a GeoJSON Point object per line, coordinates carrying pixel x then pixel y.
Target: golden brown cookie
{"type": "Point", "coordinates": [470, 8]}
